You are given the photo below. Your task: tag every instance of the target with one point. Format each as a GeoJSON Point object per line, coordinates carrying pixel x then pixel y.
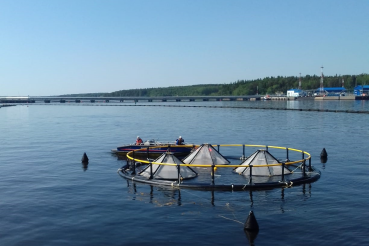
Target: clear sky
{"type": "Point", "coordinates": [54, 47]}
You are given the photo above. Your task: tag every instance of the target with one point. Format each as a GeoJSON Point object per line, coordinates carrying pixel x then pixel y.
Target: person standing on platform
{"type": "Point", "coordinates": [138, 141]}
{"type": "Point", "coordinates": [180, 141]}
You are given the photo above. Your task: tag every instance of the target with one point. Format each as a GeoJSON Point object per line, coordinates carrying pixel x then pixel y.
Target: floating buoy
{"type": "Point", "coordinates": [251, 223]}
{"type": "Point", "coordinates": [84, 158]}
{"type": "Point", "coordinates": [323, 154]}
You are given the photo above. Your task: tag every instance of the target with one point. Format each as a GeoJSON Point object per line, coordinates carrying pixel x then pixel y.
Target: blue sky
{"type": "Point", "coordinates": [54, 47]}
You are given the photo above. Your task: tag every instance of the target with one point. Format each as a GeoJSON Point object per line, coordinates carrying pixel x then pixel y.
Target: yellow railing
{"type": "Point", "coordinates": [129, 155]}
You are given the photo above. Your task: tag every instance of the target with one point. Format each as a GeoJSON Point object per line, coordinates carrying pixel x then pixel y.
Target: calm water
{"type": "Point", "coordinates": [49, 198]}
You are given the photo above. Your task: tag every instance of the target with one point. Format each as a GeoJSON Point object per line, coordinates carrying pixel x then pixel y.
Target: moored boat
{"type": "Point", "coordinates": [153, 146]}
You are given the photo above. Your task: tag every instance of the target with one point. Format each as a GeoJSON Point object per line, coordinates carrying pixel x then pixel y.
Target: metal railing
{"type": "Point", "coordinates": [305, 156]}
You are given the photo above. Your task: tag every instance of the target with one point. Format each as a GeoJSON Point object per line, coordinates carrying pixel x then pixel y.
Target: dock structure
{"type": "Point", "coordinates": [281, 98]}
{"type": "Point", "coordinates": [62, 99]}
{"type": "Point", "coordinates": [341, 98]}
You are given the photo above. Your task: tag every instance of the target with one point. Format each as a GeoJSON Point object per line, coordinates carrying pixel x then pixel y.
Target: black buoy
{"type": "Point", "coordinates": [84, 158]}
{"type": "Point", "coordinates": [323, 154]}
{"type": "Point", "coordinates": [251, 223]}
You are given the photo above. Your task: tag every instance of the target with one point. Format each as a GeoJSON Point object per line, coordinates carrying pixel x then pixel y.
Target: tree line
{"type": "Point", "coordinates": [268, 85]}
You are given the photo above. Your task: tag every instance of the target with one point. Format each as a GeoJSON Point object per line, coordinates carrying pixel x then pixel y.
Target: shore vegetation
{"type": "Point", "coordinates": [269, 85]}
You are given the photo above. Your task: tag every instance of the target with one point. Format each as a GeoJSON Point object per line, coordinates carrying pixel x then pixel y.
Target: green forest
{"type": "Point", "coordinates": [268, 85]}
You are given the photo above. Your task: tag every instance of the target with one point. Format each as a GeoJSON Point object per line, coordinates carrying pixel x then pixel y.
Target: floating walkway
{"type": "Point", "coordinates": [234, 107]}
{"type": "Point", "coordinates": [204, 106]}
{"type": "Point", "coordinates": [265, 108]}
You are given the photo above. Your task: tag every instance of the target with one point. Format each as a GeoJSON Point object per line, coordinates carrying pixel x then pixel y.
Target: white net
{"type": "Point", "coordinates": [205, 155]}
{"type": "Point", "coordinates": [261, 157]}
{"type": "Point", "coordinates": [168, 171]}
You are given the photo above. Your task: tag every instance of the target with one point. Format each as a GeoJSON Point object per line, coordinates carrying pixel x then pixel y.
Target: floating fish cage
{"type": "Point", "coordinates": [206, 168]}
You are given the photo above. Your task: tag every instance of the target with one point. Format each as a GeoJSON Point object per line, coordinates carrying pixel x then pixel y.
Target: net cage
{"type": "Point", "coordinates": [267, 165]}
{"type": "Point", "coordinates": [260, 170]}
{"type": "Point", "coordinates": [168, 172]}
{"type": "Point", "coordinates": [205, 154]}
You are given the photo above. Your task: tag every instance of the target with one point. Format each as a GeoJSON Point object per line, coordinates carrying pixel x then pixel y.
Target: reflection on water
{"type": "Point", "coordinates": [167, 196]}
{"type": "Point", "coordinates": [293, 104]}
{"type": "Point", "coordinates": [84, 166]}
{"type": "Point", "coordinates": [306, 193]}
{"type": "Point", "coordinates": [251, 236]}
{"type": "Point", "coordinates": [359, 105]}
{"type": "Point", "coordinates": [230, 206]}
{"type": "Point", "coordinates": [323, 160]}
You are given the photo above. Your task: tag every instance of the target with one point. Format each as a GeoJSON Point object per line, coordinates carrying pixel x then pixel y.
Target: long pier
{"type": "Point", "coordinates": [61, 99]}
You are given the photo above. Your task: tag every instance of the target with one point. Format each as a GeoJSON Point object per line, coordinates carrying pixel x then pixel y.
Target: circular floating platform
{"type": "Point", "coordinates": [222, 187]}
{"type": "Point", "coordinates": [260, 170]}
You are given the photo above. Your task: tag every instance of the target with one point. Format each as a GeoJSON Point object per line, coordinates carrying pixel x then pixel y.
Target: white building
{"type": "Point", "coordinates": [296, 93]}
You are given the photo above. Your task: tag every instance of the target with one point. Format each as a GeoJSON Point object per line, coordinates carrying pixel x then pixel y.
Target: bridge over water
{"type": "Point", "coordinates": [62, 99]}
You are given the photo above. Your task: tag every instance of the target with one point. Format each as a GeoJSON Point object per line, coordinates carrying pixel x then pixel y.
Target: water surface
{"type": "Point", "coordinates": [49, 198]}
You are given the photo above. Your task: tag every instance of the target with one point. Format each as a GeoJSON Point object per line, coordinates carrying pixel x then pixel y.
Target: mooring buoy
{"type": "Point", "coordinates": [251, 223]}
{"type": "Point", "coordinates": [323, 154]}
{"type": "Point", "coordinates": [84, 158]}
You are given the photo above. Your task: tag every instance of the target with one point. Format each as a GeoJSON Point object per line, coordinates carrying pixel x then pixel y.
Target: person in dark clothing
{"type": "Point", "coordinates": [180, 141]}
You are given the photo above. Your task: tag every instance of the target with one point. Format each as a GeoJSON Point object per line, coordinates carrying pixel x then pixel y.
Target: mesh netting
{"type": "Point", "coordinates": [261, 157]}
{"type": "Point", "coordinates": [168, 171]}
{"type": "Point", "coordinates": [206, 155]}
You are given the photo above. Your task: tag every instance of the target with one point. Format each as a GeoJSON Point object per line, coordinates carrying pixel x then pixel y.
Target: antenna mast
{"type": "Point", "coordinates": [343, 82]}
{"type": "Point", "coordinates": [321, 81]}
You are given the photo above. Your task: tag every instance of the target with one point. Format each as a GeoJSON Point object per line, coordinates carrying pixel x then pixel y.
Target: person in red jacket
{"type": "Point", "coordinates": [138, 141]}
